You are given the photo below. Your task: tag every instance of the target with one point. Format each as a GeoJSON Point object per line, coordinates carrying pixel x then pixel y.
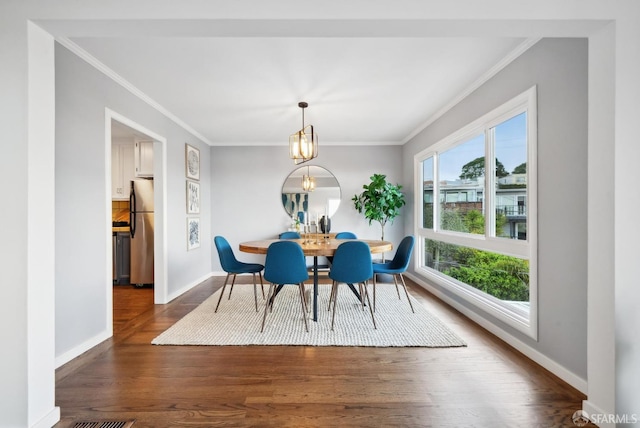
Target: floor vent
{"type": "Point", "coordinates": [103, 424]}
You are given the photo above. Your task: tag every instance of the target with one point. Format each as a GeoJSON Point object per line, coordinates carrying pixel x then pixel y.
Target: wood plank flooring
{"type": "Point", "coordinates": [486, 384]}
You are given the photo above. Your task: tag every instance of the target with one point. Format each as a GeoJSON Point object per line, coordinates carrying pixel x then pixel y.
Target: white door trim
{"type": "Point", "coordinates": [160, 291]}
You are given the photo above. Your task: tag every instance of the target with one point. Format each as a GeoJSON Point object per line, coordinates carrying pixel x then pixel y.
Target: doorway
{"type": "Point", "coordinates": [138, 261]}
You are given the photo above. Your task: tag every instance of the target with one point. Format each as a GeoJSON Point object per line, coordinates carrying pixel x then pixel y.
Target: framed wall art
{"type": "Point", "coordinates": [193, 197]}
{"type": "Point", "coordinates": [193, 233]}
{"type": "Point", "coordinates": [192, 162]}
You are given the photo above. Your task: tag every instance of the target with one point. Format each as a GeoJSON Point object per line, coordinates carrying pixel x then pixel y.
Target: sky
{"type": "Point", "coordinates": [510, 147]}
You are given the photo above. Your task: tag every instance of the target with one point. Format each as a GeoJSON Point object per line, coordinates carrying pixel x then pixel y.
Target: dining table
{"type": "Point", "coordinates": [315, 247]}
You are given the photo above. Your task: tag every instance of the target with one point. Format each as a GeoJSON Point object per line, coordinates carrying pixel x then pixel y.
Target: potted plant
{"type": "Point", "coordinates": [380, 201]}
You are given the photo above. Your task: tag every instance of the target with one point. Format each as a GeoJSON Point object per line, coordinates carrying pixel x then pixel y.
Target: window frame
{"type": "Point", "coordinates": [522, 321]}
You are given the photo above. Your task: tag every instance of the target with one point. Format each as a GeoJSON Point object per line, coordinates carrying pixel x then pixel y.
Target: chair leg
{"type": "Point", "coordinates": [335, 303]}
{"type": "Point", "coordinates": [331, 294]}
{"type": "Point", "coordinates": [231, 289]}
{"type": "Point", "coordinates": [308, 296]}
{"type": "Point", "coordinates": [395, 282]}
{"type": "Point", "coordinates": [261, 284]}
{"type": "Point", "coordinates": [407, 293]}
{"type": "Point", "coordinates": [370, 308]}
{"type": "Point", "coordinates": [304, 306]}
{"type": "Point", "coordinates": [255, 292]}
{"type": "Point", "coordinates": [374, 292]}
{"type": "Point", "coordinates": [361, 296]}
{"type": "Point", "coordinates": [271, 297]}
{"type": "Point", "coordinates": [334, 291]}
{"type": "Point", "coordinates": [222, 292]}
{"type": "Point", "coordinates": [266, 306]}
{"type": "Point", "coordinates": [304, 293]}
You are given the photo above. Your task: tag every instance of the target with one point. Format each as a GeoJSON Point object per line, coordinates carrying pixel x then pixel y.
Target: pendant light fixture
{"type": "Point", "coordinates": [308, 182]}
{"type": "Point", "coordinates": [303, 145]}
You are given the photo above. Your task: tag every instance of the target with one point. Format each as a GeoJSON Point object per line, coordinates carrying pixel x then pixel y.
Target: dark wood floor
{"type": "Point", "coordinates": [486, 384]}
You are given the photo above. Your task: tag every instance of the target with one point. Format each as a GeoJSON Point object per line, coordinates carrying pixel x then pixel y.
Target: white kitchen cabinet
{"type": "Point", "coordinates": [144, 158]}
{"type": "Point", "coordinates": [122, 170]}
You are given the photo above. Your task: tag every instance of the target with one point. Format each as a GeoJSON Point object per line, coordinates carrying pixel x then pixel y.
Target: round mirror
{"type": "Point", "coordinates": [314, 203]}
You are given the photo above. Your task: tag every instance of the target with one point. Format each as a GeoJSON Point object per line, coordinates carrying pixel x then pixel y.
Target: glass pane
{"type": "Point", "coordinates": [503, 277]}
{"type": "Point", "coordinates": [461, 178]}
{"type": "Point", "coordinates": [511, 177]}
{"type": "Point", "coordinates": [427, 193]}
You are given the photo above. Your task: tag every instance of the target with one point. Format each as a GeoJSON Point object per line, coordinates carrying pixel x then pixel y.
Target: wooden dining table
{"type": "Point", "coordinates": [315, 247]}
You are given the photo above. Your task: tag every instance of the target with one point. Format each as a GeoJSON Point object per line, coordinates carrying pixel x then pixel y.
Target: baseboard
{"type": "Point", "coordinates": [553, 366]}
{"type": "Point", "coordinates": [90, 343]}
{"type": "Point", "coordinates": [81, 349]}
{"type": "Point", "coordinates": [188, 286]}
{"type": "Point", "coordinates": [49, 420]}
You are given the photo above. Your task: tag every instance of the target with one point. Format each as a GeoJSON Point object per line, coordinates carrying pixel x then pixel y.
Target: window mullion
{"type": "Point", "coordinates": [490, 183]}
{"type": "Point", "coordinates": [436, 192]}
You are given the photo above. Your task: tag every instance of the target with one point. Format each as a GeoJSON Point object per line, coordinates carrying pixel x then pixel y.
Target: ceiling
{"type": "Point", "coordinates": [120, 131]}
{"type": "Point", "coordinates": [245, 90]}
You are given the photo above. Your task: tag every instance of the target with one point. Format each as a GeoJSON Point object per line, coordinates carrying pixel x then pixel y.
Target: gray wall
{"type": "Point", "coordinates": [559, 69]}
{"type": "Point", "coordinates": [247, 183]}
{"type": "Point", "coordinates": [82, 248]}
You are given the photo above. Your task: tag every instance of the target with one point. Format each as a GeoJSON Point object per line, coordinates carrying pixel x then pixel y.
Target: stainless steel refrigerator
{"type": "Point", "coordinates": [141, 226]}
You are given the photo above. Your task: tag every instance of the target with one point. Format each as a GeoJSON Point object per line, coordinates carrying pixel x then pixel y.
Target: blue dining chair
{"type": "Point", "coordinates": [290, 235]}
{"type": "Point", "coordinates": [346, 235]}
{"type": "Point", "coordinates": [351, 265]}
{"type": "Point", "coordinates": [396, 267]}
{"type": "Point", "coordinates": [232, 266]}
{"type": "Point", "coordinates": [342, 235]}
{"type": "Point", "coordinates": [285, 265]}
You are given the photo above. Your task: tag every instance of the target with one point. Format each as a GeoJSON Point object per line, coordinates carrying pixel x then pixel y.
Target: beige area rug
{"type": "Point", "coordinates": [237, 322]}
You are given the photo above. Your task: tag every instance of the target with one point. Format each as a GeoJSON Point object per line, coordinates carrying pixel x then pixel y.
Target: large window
{"type": "Point", "coordinates": [476, 212]}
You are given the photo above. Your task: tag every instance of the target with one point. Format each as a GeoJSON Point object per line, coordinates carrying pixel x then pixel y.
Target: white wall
{"type": "Point", "coordinates": [13, 247]}
{"type": "Point", "coordinates": [627, 207]}
{"type": "Point", "coordinates": [601, 226]}
{"type": "Point", "coordinates": [246, 193]}
{"type": "Point", "coordinates": [26, 262]}
{"type": "Point", "coordinates": [559, 69]}
{"type": "Point", "coordinates": [41, 236]}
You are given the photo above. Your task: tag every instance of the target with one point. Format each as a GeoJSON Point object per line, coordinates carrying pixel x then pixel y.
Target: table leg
{"type": "Point", "coordinates": [354, 290]}
{"type": "Point", "coordinates": [315, 288]}
{"type": "Point", "coordinates": [275, 293]}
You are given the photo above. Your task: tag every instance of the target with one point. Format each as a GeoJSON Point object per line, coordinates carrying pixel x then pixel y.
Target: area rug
{"type": "Point", "coordinates": [237, 322]}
